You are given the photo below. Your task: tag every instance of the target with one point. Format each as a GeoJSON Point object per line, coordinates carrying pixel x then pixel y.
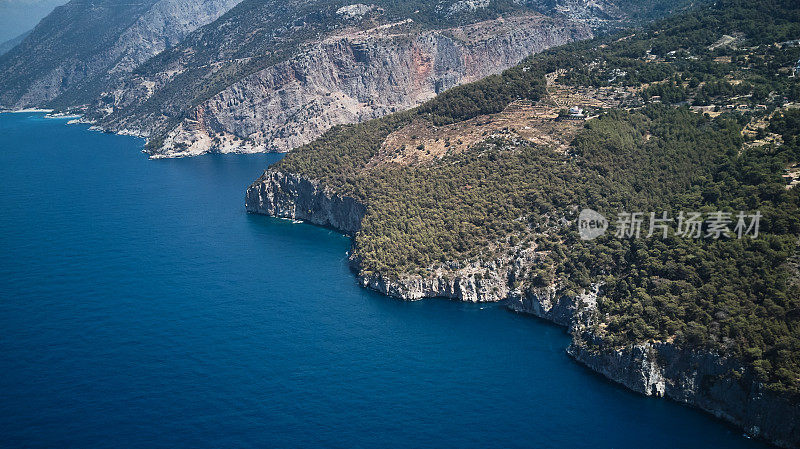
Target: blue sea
{"type": "Point", "coordinates": [141, 306]}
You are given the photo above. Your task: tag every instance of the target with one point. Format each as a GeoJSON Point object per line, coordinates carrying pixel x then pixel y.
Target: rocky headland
{"type": "Point", "coordinates": [719, 385]}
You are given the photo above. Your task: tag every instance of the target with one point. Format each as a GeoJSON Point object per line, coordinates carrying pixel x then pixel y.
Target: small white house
{"type": "Point", "coordinates": [575, 112]}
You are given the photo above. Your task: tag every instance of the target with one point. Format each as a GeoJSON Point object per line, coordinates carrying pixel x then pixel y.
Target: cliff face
{"type": "Point", "coordinates": [458, 286]}
{"type": "Point", "coordinates": [347, 78]}
{"type": "Point", "coordinates": [287, 195]}
{"type": "Point", "coordinates": [721, 386]}
{"type": "Point", "coordinates": [76, 50]}
{"type": "Point", "coordinates": [83, 55]}
{"type": "Point", "coordinates": [269, 75]}
{"type": "Point", "coordinates": [548, 303]}
{"type": "Point", "coordinates": [162, 26]}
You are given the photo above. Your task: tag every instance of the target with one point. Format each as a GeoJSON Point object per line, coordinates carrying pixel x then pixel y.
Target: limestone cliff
{"type": "Point", "coordinates": [718, 385]}
{"type": "Point", "coordinates": [345, 78]}
{"type": "Point", "coordinates": [288, 195]}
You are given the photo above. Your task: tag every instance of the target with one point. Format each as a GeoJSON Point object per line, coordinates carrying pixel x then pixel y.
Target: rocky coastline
{"type": "Point", "coordinates": [721, 386]}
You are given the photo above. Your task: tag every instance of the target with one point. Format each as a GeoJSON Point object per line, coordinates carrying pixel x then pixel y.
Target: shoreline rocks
{"type": "Point", "coordinates": [721, 386]}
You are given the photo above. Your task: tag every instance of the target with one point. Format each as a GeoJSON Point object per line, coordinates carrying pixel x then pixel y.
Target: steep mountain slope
{"type": "Point", "coordinates": [73, 52]}
{"type": "Point", "coordinates": [6, 46]}
{"type": "Point", "coordinates": [478, 194]}
{"type": "Point", "coordinates": [270, 76]}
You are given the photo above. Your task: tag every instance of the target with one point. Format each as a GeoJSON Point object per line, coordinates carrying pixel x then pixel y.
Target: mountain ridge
{"type": "Point", "coordinates": [80, 46]}
{"type": "Point", "coordinates": [176, 99]}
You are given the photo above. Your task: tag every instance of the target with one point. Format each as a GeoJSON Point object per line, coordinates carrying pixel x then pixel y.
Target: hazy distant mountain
{"type": "Point", "coordinates": [6, 46]}
{"type": "Point", "coordinates": [20, 16]}
{"type": "Point", "coordinates": [81, 45]}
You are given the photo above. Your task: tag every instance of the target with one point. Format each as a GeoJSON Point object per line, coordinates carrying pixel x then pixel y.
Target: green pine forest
{"type": "Point", "coordinates": [739, 297]}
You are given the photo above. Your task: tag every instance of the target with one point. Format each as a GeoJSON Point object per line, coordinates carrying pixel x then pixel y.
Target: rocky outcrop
{"type": "Point", "coordinates": [287, 195]}
{"type": "Point", "coordinates": [347, 78]}
{"type": "Point", "coordinates": [553, 305]}
{"type": "Point", "coordinates": [462, 285]}
{"type": "Point", "coordinates": [719, 385]}
{"type": "Point", "coordinates": [481, 281]}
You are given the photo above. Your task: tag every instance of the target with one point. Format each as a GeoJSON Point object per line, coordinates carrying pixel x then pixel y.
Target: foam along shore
{"type": "Point", "coordinates": [63, 115]}
{"type": "Point", "coordinates": [26, 110]}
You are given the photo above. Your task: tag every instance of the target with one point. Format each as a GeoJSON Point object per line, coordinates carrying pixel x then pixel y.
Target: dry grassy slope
{"type": "Point", "coordinates": [421, 141]}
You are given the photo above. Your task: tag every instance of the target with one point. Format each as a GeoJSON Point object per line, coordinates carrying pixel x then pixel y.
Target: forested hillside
{"type": "Point", "coordinates": [697, 113]}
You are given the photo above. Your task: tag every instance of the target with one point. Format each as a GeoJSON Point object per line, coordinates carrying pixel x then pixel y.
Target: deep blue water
{"type": "Point", "coordinates": [140, 306]}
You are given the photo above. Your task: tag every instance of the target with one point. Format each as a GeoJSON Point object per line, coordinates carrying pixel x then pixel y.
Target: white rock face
{"type": "Point", "coordinates": [349, 78]}
{"type": "Point", "coordinates": [461, 285]}
{"type": "Point", "coordinates": [356, 10]}
{"type": "Point", "coordinates": [719, 385]}
{"type": "Point", "coordinates": [467, 5]}
{"type": "Point", "coordinates": [163, 26]}
{"type": "Point", "coordinates": [287, 195]}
